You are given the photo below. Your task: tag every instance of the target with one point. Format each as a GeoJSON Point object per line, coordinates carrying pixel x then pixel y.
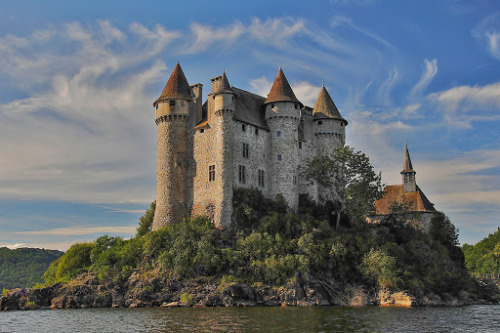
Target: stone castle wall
{"type": "Point", "coordinates": [173, 163]}
{"type": "Point", "coordinates": [187, 154]}
{"type": "Point", "coordinates": [283, 120]}
{"type": "Point", "coordinates": [259, 153]}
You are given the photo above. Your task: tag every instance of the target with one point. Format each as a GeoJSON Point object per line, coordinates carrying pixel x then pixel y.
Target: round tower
{"type": "Point", "coordinates": [328, 124]}
{"type": "Point", "coordinates": [173, 116]}
{"type": "Point", "coordinates": [283, 116]}
{"type": "Point", "coordinates": [223, 113]}
{"type": "Point", "coordinates": [329, 132]}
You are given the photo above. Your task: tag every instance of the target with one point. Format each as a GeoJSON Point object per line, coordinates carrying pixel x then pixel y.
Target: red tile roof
{"type": "Point", "coordinates": [325, 107]}
{"type": "Point", "coordinates": [177, 86]}
{"type": "Point", "coordinates": [281, 91]}
{"type": "Point", "coordinates": [395, 193]}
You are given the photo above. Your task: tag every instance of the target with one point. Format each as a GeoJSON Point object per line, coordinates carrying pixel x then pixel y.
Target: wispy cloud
{"type": "Point", "coordinates": [428, 75]}
{"type": "Point", "coordinates": [457, 101]}
{"type": "Point", "coordinates": [488, 33]}
{"type": "Point", "coordinates": [384, 92]}
{"type": "Point", "coordinates": [79, 231]}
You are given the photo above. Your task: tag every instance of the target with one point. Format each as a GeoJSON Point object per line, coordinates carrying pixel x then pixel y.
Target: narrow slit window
{"type": "Point", "coordinates": [211, 173]}
{"type": "Point", "coordinates": [244, 127]}
{"type": "Point", "coordinates": [242, 174]}
{"type": "Point", "coordinates": [278, 134]}
{"type": "Point", "coordinates": [278, 157]}
{"type": "Point", "coordinates": [245, 150]}
{"type": "Point", "coordinates": [256, 131]}
{"type": "Point", "coordinates": [261, 178]}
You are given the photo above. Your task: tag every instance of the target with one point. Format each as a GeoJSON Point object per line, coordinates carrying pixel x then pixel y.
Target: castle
{"type": "Point", "coordinates": [236, 139]}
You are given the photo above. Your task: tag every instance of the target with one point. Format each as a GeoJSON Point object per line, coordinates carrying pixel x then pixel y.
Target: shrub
{"type": "Point", "coordinates": [75, 261]}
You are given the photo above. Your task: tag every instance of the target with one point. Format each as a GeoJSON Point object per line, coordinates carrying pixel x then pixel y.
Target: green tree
{"type": "Point", "coordinates": [146, 221]}
{"type": "Point", "coordinates": [350, 181]}
{"type": "Point", "coordinates": [380, 266]}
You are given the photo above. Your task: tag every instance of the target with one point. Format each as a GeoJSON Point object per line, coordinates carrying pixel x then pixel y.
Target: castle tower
{"type": "Point", "coordinates": [409, 181]}
{"type": "Point", "coordinates": [283, 116]}
{"type": "Point", "coordinates": [329, 126]}
{"type": "Point", "coordinates": [174, 116]}
{"type": "Point", "coordinates": [223, 155]}
{"type": "Point", "coordinates": [329, 130]}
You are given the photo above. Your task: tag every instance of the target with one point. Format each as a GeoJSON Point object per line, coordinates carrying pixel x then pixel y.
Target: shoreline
{"type": "Point", "coordinates": [86, 292]}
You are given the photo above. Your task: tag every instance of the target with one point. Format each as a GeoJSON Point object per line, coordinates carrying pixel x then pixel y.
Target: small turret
{"type": "Point", "coordinates": [329, 125]}
{"type": "Point", "coordinates": [174, 116]}
{"type": "Point", "coordinates": [283, 117]}
{"type": "Point", "coordinates": [223, 115]}
{"type": "Point", "coordinates": [329, 132]}
{"type": "Point", "coordinates": [409, 181]}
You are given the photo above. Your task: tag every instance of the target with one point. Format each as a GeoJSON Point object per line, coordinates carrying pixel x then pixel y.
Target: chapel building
{"type": "Point", "coordinates": [419, 209]}
{"type": "Point", "coordinates": [236, 139]}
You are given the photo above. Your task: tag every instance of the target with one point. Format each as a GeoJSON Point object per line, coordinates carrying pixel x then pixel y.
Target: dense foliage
{"type": "Point", "coordinates": [21, 268]}
{"type": "Point", "coordinates": [483, 259]}
{"type": "Point", "coordinates": [273, 246]}
{"type": "Point", "coordinates": [348, 180]}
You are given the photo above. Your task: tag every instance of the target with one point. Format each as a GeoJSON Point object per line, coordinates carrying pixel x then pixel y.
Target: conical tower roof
{"type": "Point", "coordinates": [325, 107]}
{"type": "Point", "coordinates": [407, 167]}
{"type": "Point", "coordinates": [224, 87]}
{"type": "Point", "coordinates": [177, 86]}
{"type": "Point", "coordinates": [281, 91]}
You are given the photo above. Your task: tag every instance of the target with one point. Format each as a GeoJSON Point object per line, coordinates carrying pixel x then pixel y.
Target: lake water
{"type": "Point", "coordinates": [259, 319]}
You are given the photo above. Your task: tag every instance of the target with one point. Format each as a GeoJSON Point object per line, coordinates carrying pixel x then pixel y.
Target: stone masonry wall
{"type": "Point", "coordinates": [283, 121]}
{"type": "Point", "coordinates": [259, 153]}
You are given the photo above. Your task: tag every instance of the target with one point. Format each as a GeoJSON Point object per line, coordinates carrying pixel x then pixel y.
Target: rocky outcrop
{"type": "Point", "coordinates": [150, 289]}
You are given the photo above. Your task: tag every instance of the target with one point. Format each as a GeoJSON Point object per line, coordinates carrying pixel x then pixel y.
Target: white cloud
{"type": "Point", "coordinates": [430, 72]}
{"type": "Point", "coordinates": [457, 101]}
{"type": "Point", "coordinates": [384, 92]}
{"type": "Point", "coordinates": [83, 130]}
{"type": "Point", "coordinates": [204, 36]}
{"type": "Point", "coordinates": [13, 246]}
{"type": "Point", "coordinates": [488, 33]}
{"type": "Point", "coordinates": [79, 231]}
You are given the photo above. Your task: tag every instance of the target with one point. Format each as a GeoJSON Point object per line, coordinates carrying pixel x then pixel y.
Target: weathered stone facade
{"type": "Point", "coordinates": [236, 139]}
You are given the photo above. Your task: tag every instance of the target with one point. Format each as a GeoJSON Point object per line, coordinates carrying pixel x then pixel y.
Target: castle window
{"type": "Point", "coordinates": [278, 157]}
{"type": "Point", "coordinates": [272, 106]}
{"type": "Point", "coordinates": [341, 124]}
{"type": "Point", "coordinates": [300, 145]}
{"type": "Point", "coordinates": [294, 180]}
{"type": "Point", "coordinates": [278, 134]}
{"type": "Point", "coordinates": [296, 106]}
{"type": "Point", "coordinates": [320, 122]}
{"type": "Point", "coordinates": [256, 131]}
{"type": "Point", "coordinates": [211, 173]}
{"type": "Point", "coordinates": [261, 178]}
{"type": "Point", "coordinates": [243, 127]}
{"type": "Point", "coordinates": [156, 106]}
{"type": "Point", "coordinates": [245, 150]}
{"type": "Point", "coordinates": [202, 130]}
{"type": "Point", "coordinates": [172, 103]}
{"type": "Point", "coordinates": [242, 174]}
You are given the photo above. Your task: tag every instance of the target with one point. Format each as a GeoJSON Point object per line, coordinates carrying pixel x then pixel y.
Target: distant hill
{"type": "Point", "coordinates": [483, 259]}
{"type": "Point", "coordinates": [24, 267]}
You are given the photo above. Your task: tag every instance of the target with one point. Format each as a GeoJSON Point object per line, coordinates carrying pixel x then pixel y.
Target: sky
{"type": "Point", "coordinates": [78, 78]}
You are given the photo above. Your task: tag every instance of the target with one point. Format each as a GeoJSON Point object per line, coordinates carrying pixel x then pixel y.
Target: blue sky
{"type": "Point", "coordinates": [77, 82]}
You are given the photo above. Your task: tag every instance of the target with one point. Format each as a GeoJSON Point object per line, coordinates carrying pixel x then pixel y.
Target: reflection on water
{"type": "Point", "coordinates": [259, 319]}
